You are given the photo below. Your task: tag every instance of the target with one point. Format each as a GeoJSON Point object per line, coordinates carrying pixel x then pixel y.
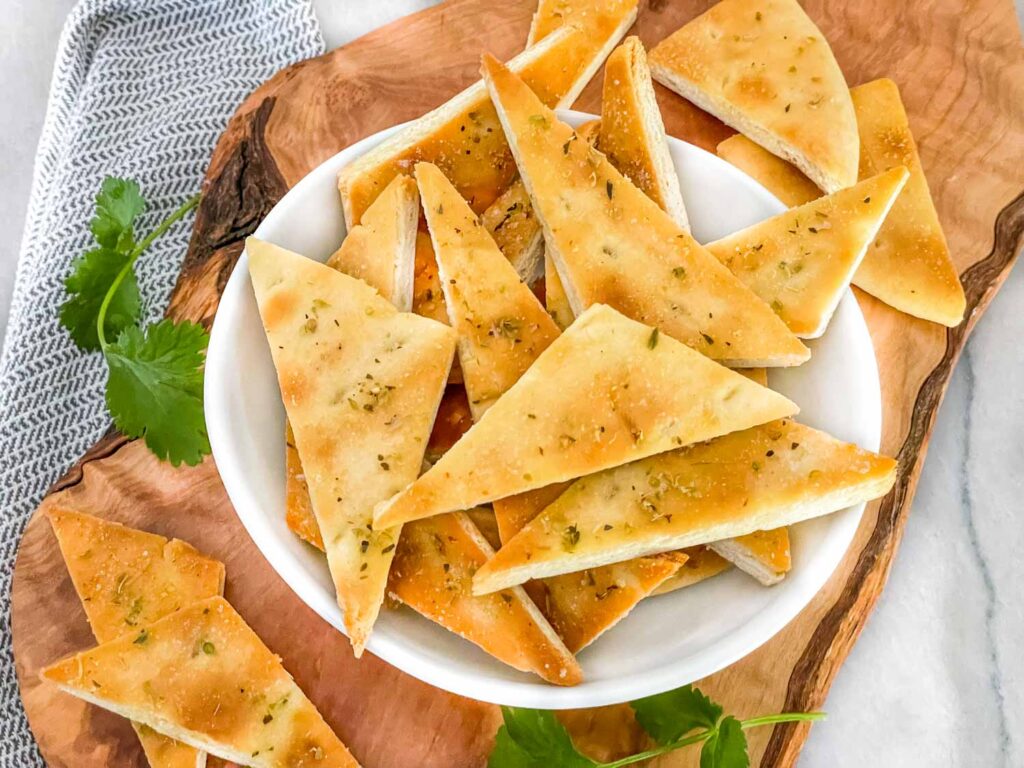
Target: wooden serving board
{"type": "Point", "coordinates": [961, 71]}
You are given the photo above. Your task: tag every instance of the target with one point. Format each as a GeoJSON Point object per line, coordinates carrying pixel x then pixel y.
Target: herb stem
{"type": "Point", "coordinates": [166, 224]}
{"type": "Point", "coordinates": [785, 717]}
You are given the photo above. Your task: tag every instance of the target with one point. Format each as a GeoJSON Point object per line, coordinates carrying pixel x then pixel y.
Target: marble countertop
{"type": "Point", "coordinates": [933, 679]}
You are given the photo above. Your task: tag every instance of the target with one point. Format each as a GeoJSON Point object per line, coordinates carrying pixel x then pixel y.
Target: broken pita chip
{"type": "Point", "coordinates": [203, 677]}
{"type": "Point", "coordinates": [908, 266]}
{"type": "Point", "coordinates": [801, 261]}
{"type": "Point", "coordinates": [381, 249]}
{"type": "Point", "coordinates": [764, 555]}
{"type": "Point", "coordinates": [127, 579]}
{"type": "Point", "coordinates": [463, 137]}
{"type": "Point", "coordinates": [765, 69]}
{"type": "Point", "coordinates": [501, 326]}
{"type": "Point", "coordinates": [632, 134]}
{"type": "Point", "coordinates": [361, 384]}
{"type": "Point", "coordinates": [612, 244]}
{"type": "Point", "coordinates": [608, 391]}
{"type": "Point", "coordinates": [773, 173]}
{"type": "Point", "coordinates": [763, 478]}
{"type": "Point", "coordinates": [701, 564]}
{"type": "Point", "coordinates": [516, 232]}
{"type": "Point", "coordinates": [432, 574]}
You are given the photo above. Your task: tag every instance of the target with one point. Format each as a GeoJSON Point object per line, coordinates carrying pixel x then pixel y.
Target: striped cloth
{"type": "Point", "coordinates": [142, 89]}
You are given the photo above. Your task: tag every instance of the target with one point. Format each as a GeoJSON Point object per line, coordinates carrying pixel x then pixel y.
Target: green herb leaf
{"type": "Point", "coordinates": [118, 204]}
{"type": "Point", "coordinates": [726, 747]}
{"type": "Point", "coordinates": [155, 389]}
{"type": "Point", "coordinates": [533, 738]}
{"type": "Point", "coordinates": [669, 716]}
{"type": "Point", "coordinates": [91, 277]}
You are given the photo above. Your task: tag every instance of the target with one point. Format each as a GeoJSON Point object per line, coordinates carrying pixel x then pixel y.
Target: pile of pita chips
{"type": "Point", "coordinates": [176, 659]}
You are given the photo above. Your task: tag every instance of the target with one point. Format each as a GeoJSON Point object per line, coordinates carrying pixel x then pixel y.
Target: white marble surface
{"type": "Point", "coordinates": [938, 676]}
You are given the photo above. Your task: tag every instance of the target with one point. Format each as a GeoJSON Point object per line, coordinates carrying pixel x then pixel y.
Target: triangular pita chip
{"type": "Point", "coordinates": [909, 266]}
{"type": "Point", "coordinates": [361, 383]}
{"type": "Point", "coordinates": [202, 676]}
{"type": "Point", "coordinates": [463, 136]}
{"type": "Point", "coordinates": [612, 244]}
{"type": "Point", "coordinates": [598, 17]}
{"type": "Point", "coordinates": [772, 475]}
{"type": "Point", "coordinates": [608, 391]}
{"type": "Point", "coordinates": [632, 133]}
{"type": "Point", "coordinates": [517, 232]}
{"type": "Point", "coordinates": [501, 325]}
{"type": "Point", "coordinates": [701, 564]}
{"type": "Point", "coordinates": [127, 579]}
{"type": "Point", "coordinates": [381, 249]}
{"type": "Point", "coordinates": [773, 173]}
{"type": "Point", "coordinates": [763, 554]}
{"type": "Point", "coordinates": [452, 422]}
{"type": "Point", "coordinates": [432, 574]}
{"type": "Point", "coordinates": [801, 261]}
{"type": "Point", "coordinates": [765, 69]}
{"type": "Point", "coordinates": [555, 300]}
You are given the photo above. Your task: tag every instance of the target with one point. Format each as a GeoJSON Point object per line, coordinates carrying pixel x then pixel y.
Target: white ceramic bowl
{"type": "Point", "coordinates": [666, 641]}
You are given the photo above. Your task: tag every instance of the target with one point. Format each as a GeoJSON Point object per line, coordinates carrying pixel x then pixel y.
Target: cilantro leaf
{"type": "Point", "coordinates": [534, 738]}
{"type": "Point", "coordinates": [669, 716]}
{"type": "Point", "coordinates": [726, 747]}
{"type": "Point", "coordinates": [155, 389]}
{"type": "Point", "coordinates": [91, 277]}
{"type": "Point", "coordinates": [118, 204]}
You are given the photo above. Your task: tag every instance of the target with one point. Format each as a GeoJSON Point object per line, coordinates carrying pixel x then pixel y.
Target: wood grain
{"type": "Point", "coordinates": [961, 71]}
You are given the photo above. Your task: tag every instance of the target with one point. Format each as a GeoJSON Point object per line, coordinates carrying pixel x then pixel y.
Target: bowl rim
{"type": "Point", "coordinates": [526, 692]}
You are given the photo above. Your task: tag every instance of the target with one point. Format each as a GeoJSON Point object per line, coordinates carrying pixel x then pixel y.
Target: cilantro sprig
{"type": "Point", "coordinates": [155, 382]}
{"type": "Point", "coordinates": [532, 738]}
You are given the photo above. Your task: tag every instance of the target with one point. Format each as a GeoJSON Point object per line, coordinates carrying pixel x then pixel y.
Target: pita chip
{"type": "Point", "coordinates": [501, 325]}
{"type": "Point", "coordinates": [599, 17]}
{"type": "Point", "coordinates": [361, 383]}
{"type": "Point", "coordinates": [764, 555]}
{"type": "Point", "coordinates": [764, 68]}
{"type": "Point", "coordinates": [773, 173]}
{"type": "Point", "coordinates": [612, 244]}
{"type": "Point", "coordinates": [433, 572]}
{"type": "Point", "coordinates": [515, 230]}
{"type": "Point", "coordinates": [701, 564]}
{"type": "Point", "coordinates": [555, 300]}
{"type": "Point", "coordinates": [463, 137]}
{"type": "Point", "coordinates": [632, 133]}
{"type": "Point", "coordinates": [202, 676]}
{"type": "Point", "coordinates": [608, 391]}
{"type": "Point", "coordinates": [127, 579]}
{"type": "Point", "coordinates": [801, 261]}
{"type": "Point", "coordinates": [772, 475]}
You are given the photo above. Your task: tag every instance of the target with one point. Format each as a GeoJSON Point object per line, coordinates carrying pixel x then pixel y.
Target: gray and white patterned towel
{"type": "Point", "coordinates": [141, 88]}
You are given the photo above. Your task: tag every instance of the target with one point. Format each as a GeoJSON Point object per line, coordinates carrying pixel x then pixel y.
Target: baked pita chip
{"type": "Point", "coordinates": [760, 375]}
{"type": "Point", "coordinates": [361, 383]}
{"type": "Point", "coordinates": [516, 231]}
{"type": "Point", "coordinates": [612, 244]}
{"type": "Point", "coordinates": [555, 299]}
{"type": "Point", "coordinates": [632, 132]}
{"type": "Point", "coordinates": [202, 676]}
{"type": "Point", "coordinates": [801, 261]}
{"type": "Point", "coordinates": [763, 478]}
{"type": "Point", "coordinates": [701, 564]}
{"type": "Point", "coordinates": [453, 420]}
{"type": "Point", "coordinates": [599, 18]}
{"type": "Point", "coordinates": [763, 554]}
{"type": "Point", "coordinates": [909, 266]}
{"type": "Point", "coordinates": [432, 574]}
{"type": "Point", "coordinates": [608, 391]}
{"type": "Point", "coordinates": [127, 579]}
{"type": "Point", "coordinates": [501, 325]}
{"type": "Point", "coordinates": [463, 137]}
{"type": "Point", "coordinates": [773, 173]}
{"type": "Point", "coordinates": [388, 229]}
{"type": "Point", "coordinates": [763, 67]}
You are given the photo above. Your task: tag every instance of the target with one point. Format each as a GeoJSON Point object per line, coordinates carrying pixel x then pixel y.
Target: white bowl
{"type": "Point", "coordinates": [666, 641]}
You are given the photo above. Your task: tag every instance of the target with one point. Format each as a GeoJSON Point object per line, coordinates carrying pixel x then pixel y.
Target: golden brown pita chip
{"type": "Point", "coordinates": [763, 554]}
{"type": "Point", "coordinates": [126, 579]}
{"type": "Point", "coordinates": [612, 244]}
{"type": "Point", "coordinates": [701, 564]}
{"type": "Point", "coordinates": [202, 676]}
{"type": "Point", "coordinates": [763, 478]}
{"type": "Point", "coordinates": [608, 391]}
{"type": "Point", "coordinates": [773, 173]}
{"type": "Point", "coordinates": [600, 18]}
{"type": "Point", "coordinates": [516, 231]}
{"type": "Point", "coordinates": [361, 383]}
{"type": "Point", "coordinates": [555, 300]}
{"type": "Point", "coordinates": [801, 261]}
{"type": "Point", "coordinates": [763, 67]}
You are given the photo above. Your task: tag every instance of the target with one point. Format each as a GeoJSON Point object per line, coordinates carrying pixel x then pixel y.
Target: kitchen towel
{"type": "Point", "coordinates": [141, 89]}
